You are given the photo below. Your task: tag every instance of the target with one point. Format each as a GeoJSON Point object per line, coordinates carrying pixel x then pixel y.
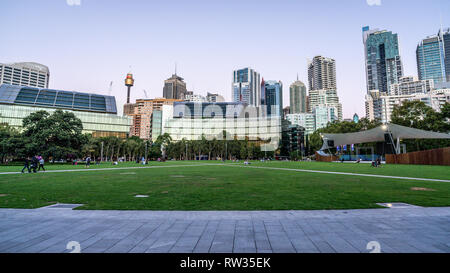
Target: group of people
{"type": "Point", "coordinates": [34, 164]}
{"type": "Point", "coordinates": [376, 163]}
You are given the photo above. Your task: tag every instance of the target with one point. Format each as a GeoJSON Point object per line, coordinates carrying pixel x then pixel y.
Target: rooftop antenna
{"type": "Point", "coordinates": [297, 76]}
{"type": "Point", "coordinates": [110, 88]}
{"type": "Point", "coordinates": [175, 68]}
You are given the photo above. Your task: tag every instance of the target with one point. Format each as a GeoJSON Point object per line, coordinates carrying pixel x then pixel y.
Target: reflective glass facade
{"type": "Point", "coordinates": [25, 95]}
{"type": "Point", "coordinates": [431, 59]}
{"type": "Point", "coordinates": [96, 112]}
{"type": "Point", "coordinates": [383, 63]}
{"type": "Point", "coordinates": [274, 98]}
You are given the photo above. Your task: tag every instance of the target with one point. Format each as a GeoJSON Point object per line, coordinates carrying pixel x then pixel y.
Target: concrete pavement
{"type": "Point", "coordinates": [49, 230]}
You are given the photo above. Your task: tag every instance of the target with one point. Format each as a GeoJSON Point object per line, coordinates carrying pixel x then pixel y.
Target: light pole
{"type": "Point", "coordinates": [146, 152]}
{"type": "Point", "coordinates": [185, 158]}
{"type": "Point", "coordinates": [101, 153]}
{"type": "Point", "coordinates": [226, 150]}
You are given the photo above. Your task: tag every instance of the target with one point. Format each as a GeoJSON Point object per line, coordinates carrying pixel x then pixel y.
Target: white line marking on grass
{"type": "Point", "coordinates": [112, 169]}
{"type": "Point", "coordinates": [341, 173]}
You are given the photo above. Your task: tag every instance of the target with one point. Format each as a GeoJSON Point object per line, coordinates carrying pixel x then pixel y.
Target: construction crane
{"type": "Point", "coordinates": [145, 93]}
{"type": "Point", "coordinates": [110, 88]}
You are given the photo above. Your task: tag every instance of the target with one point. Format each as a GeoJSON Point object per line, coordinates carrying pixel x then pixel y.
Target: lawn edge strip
{"type": "Point", "coordinates": [343, 173]}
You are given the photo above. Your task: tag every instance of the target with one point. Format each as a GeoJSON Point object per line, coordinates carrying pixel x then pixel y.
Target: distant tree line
{"type": "Point", "coordinates": [59, 136]}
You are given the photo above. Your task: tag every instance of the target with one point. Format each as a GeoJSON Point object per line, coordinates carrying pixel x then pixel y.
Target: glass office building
{"type": "Point", "coordinates": [273, 92]}
{"type": "Point", "coordinates": [383, 63]}
{"type": "Point", "coordinates": [430, 56]}
{"type": "Point", "coordinates": [246, 87]}
{"type": "Point", "coordinates": [192, 121]}
{"type": "Point", "coordinates": [98, 113]}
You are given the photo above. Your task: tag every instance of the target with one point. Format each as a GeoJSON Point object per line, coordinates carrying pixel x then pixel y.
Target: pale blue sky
{"type": "Point", "coordinates": [88, 46]}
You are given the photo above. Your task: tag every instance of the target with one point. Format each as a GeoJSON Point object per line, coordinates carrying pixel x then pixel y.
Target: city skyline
{"type": "Point", "coordinates": [87, 50]}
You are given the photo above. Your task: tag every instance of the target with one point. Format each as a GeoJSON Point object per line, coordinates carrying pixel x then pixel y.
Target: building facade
{"type": "Point", "coordinates": [273, 92]}
{"type": "Point", "coordinates": [327, 98]}
{"type": "Point", "coordinates": [382, 56]}
{"type": "Point", "coordinates": [305, 120]}
{"type": "Point", "coordinates": [298, 97]}
{"type": "Point", "coordinates": [98, 113]}
{"type": "Point", "coordinates": [211, 97]}
{"type": "Point", "coordinates": [384, 105]}
{"type": "Point", "coordinates": [174, 88]}
{"type": "Point", "coordinates": [322, 73]}
{"type": "Point", "coordinates": [411, 85]}
{"type": "Point", "coordinates": [445, 34]}
{"type": "Point", "coordinates": [192, 121]}
{"type": "Point", "coordinates": [146, 114]}
{"type": "Point", "coordinates": [25, 74]}
{"type": "Point", "coordinates": [246, 87]}
{"type": "Point", "coordinates": [430, 54]}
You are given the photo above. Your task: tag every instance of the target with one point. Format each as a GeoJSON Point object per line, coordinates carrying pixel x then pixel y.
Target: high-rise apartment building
{"type": "Point", "coordinates": [411, 85]}
{"type": "Point", "coordinates": [174, 88]}
{"type": "Point", "coordinates": [146, 115]}
{"type": "Point", "coordinates": [383, 63]}
{"type": "Point", "coordinates": [25, 74]}
{"type": "Point", "coordinates": [322, 85]}
{"type": "Point", "coordinates": [246, 87]}
{"type": "Point", "coordinates": [298, 97]}
{"type": "Point", "coordinates": [322, 73]}
{"type": "Point", "coordinates": [430, 54]}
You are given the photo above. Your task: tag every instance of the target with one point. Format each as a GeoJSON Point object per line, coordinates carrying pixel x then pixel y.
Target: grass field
{"type": "Point", "coordinates": [200, 186]}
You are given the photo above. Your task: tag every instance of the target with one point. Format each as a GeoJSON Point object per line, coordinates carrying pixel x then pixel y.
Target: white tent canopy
{"type": "Point", "coordinates": [377, 135]}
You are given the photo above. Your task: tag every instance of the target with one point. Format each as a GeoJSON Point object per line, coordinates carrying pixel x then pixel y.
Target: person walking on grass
{"type": "Point", "coordinates": [41, 163]}
{"type": "Point", "coordinates": [88, 162]}
{"type": "Point", "coordinates": [26, 165]}
{"type": "Point", "coordinates": [34, 163]}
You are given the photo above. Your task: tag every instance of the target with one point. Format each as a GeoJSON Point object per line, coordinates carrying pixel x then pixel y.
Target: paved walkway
{"type": "Point", "coordinates": [396, 230]}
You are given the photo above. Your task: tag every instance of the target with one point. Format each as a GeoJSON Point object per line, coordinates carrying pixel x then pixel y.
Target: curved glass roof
{"type": "Point", "coordinates": [24, 95]}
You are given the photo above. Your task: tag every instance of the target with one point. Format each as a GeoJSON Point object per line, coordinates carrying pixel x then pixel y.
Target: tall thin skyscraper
{"type": "Point", "coordinates": [430, 56]}
{"type": "Point", "coordinates": [297, 94]}
{"type": "Point", "coordinates": [246, 86]}
{"type": "Point", "coordinates": [322, 85]}
{"type": "Point", "coordinates": [322, 73]}
{"type": "Point", "coordinates": [383, 63]}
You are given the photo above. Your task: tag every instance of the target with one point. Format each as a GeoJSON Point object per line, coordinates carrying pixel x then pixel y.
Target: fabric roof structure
{"type": "Point", "coordinates": [377, 135]}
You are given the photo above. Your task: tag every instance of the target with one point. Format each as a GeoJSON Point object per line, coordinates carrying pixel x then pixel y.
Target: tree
{"type": "Point", "coordinates": [53, 135]}
{"type": "Point", "coordinates": [416, 114]}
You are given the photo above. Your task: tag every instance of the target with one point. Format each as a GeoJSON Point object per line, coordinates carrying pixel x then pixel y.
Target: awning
{"type": "Point", "coordinates": [377, 135]}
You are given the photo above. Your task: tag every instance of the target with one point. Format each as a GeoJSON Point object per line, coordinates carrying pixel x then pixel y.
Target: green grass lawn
{"type": "Point", "coordinates": [224, 187]}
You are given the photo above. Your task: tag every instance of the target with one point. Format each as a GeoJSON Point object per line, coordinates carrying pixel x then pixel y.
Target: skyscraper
{"type": "Point", "coordinates": [297, 93]}
{"type": "Point", "coordinates": [322, 73]}
{"type": "Point", "coordinates": [246, 86]}
{"type": "Point", "coordinates": [430, 56]}
{"type": "Point", "coordinates": [322, 86]}
{"type": "Point", "coordinates": [274, 98]}
{"type": "Point", "coordinates": [174, 88]}
{"type": "Point", "coordinates": [383, 63]}
{"type": "Point", "coordinates": [445, 34]}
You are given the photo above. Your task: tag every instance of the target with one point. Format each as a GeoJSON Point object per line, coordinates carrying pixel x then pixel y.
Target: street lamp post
{"type": "Point", "coordinates": [101, 153]}
{"type": "Point", "coordinates": [146, 152]}
{"type": "Point", "coordinates": [185, 158]}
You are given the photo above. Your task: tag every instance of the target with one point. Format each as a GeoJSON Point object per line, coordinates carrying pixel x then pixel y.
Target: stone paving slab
{"type": "Point", "coordinates": [406, 230]}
